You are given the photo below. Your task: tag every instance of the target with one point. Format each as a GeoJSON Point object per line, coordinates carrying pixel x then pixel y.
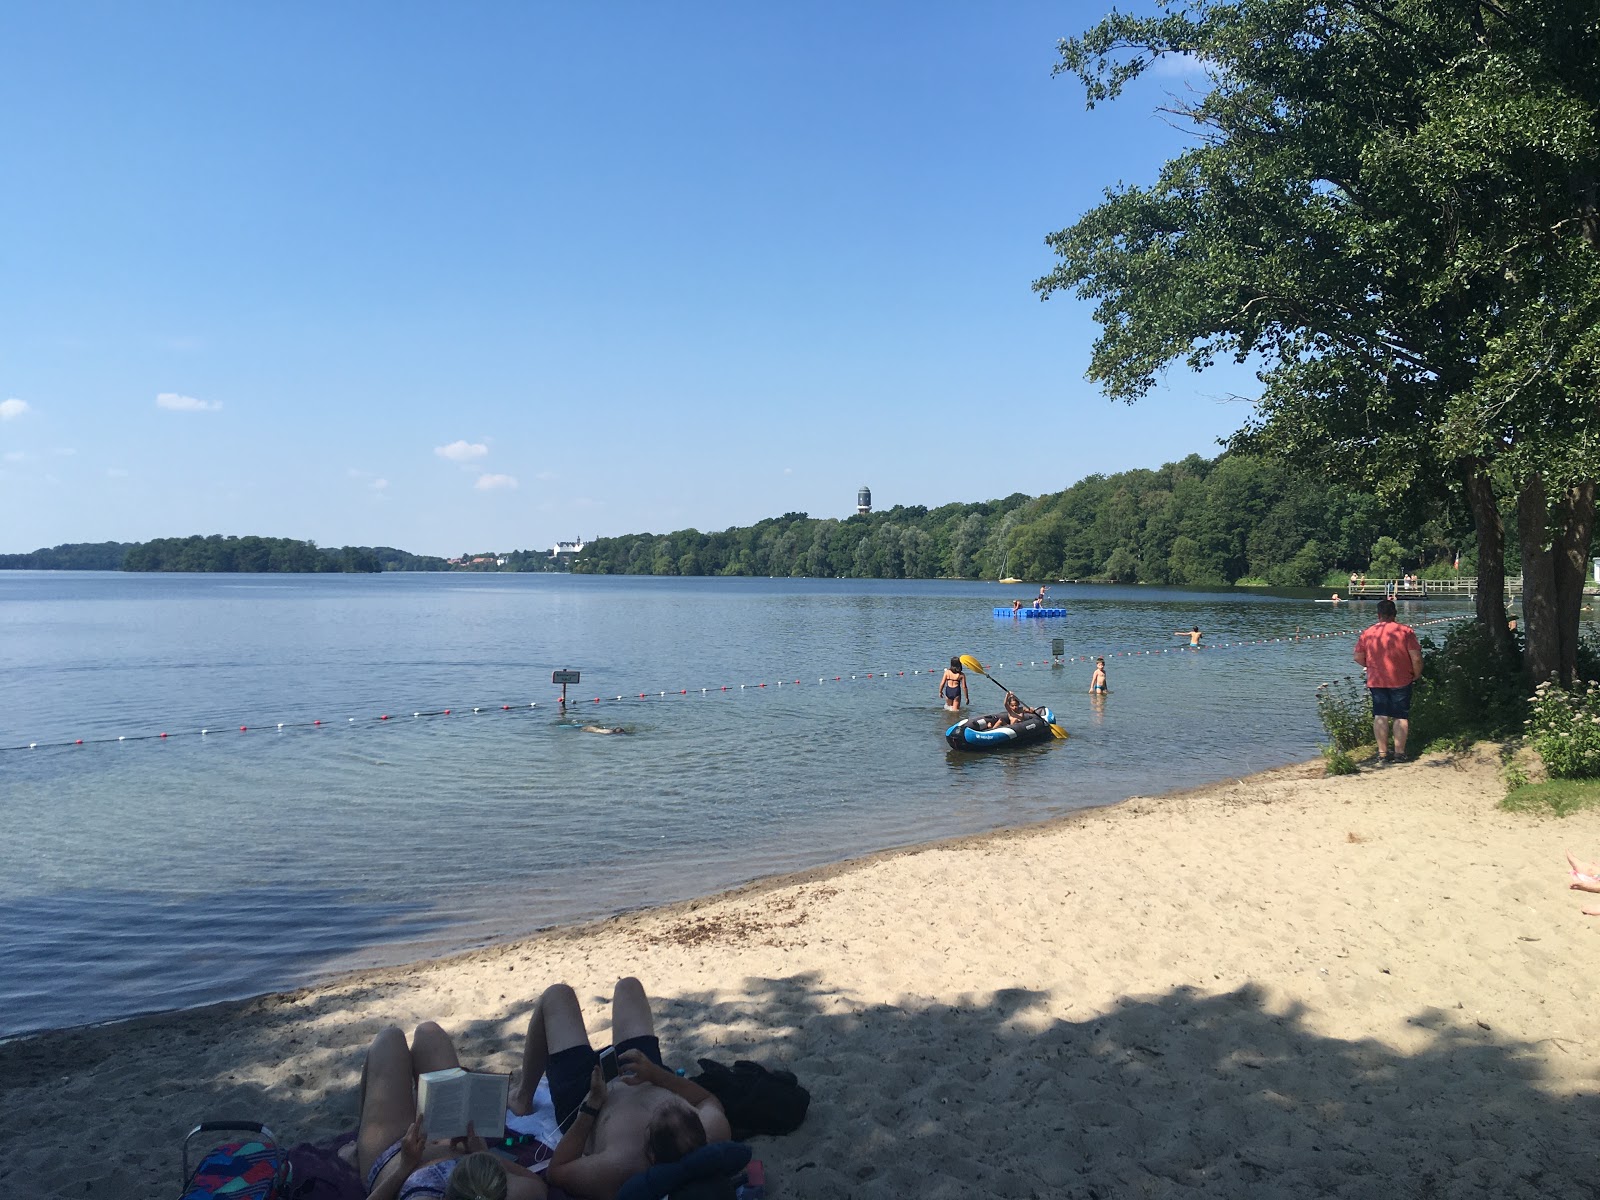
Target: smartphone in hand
{"type": "Point", "coordinates": [608, 1063]}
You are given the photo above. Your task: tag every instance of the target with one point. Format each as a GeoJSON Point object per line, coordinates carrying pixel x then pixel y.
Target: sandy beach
{"type": "Point", "coordinates": [1374, 985]}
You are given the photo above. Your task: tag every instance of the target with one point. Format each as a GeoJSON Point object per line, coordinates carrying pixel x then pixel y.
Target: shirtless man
{"type": "Point", "coordinates": [1192, 634]}
{"type": "Point", "coordinates": [647, 1115]}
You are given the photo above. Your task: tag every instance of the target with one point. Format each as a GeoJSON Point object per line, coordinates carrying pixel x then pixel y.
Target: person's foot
{"type": "Point", "coordinates": [1400, 756]}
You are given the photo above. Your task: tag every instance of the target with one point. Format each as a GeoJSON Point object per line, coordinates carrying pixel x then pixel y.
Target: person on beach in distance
{"type": "Point", "coordinates": [953, 686]}
{"type": "Point", "coordinates": [648, 1115]}
{"type": "Point", "coordinates": [1389, 652]}
{"type": "Point", "coordinates": [1097, 682]}
{"type": "Point", "coordinates": [1192, 634]}
{"type": "Point", "coordinates": [393, 1154]}
{"type": "Point", "coordinates": [1585, 878]}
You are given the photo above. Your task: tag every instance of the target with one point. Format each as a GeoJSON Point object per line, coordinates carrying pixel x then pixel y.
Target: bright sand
{"type": "Point", "coordinates": [1376, 985]}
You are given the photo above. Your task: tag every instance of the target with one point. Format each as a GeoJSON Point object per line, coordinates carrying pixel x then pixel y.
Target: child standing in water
{"type": "Point", "coordinates": [1097, 685]}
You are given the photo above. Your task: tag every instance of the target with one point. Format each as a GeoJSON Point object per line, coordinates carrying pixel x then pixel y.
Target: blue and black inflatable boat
{"type": "Point", "coordinates": [1032, 728]}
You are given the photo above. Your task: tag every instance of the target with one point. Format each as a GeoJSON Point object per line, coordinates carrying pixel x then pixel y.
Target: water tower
{"type": "Point", "coordinates": [864, 501]}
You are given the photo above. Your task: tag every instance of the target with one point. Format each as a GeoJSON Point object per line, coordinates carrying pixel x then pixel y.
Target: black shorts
{"type": "Point", "coordinates": [1391, 702]}
{"type": "Point", "coordinates": [570, 1070]}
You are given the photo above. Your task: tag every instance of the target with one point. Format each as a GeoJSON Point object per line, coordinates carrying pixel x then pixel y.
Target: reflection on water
{"type": "Point", "coordinates": [139, 869]}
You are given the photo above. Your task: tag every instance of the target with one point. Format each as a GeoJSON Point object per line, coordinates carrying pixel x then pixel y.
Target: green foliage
{"type": "Point", "coordinates": [1198, 522]}
{"type": "Point", "coordinates": [1345, 713]}
{"type": "Point", "coordinates": [1555, 797]}
{"type": "Point", "coordinates": [1564, 727]}
{"type": "Point", "coordinates": [267, 555]}
{"type": "Point", "coordinates": [1386, 556]}
{"type": "Point", "coordinates": [1467, 690]}
{"type": "Point", "coordinates": [1339, 761]}
{"type": "Point", "coordinates": [74, 556]}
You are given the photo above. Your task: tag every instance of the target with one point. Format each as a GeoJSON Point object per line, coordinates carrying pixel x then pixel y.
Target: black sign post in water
{"type": "Point", "coordinates": [564, 677]}
{"type": "Point", "coordinates": [1058, 647]}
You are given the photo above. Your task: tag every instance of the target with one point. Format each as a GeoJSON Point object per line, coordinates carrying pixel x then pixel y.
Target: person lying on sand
{"type": "Point", "coordinates": [647, 1115]}
{"type": "Point", "coordinates": [1585, 878]}
{"type": "Point", "coordinates": [393, 1153]}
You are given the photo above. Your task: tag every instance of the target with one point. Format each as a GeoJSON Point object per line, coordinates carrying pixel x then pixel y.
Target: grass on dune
{"type": "Point", "coordinates": [1555, 797]}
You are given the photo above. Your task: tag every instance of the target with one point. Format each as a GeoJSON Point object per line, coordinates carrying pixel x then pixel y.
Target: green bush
{"type": "Point", "coordinates": [1564, 727]}
{"type": "Point", "coordinates": [1467, 691]}
{"type": "Point", "coordinates": [1345, 713]}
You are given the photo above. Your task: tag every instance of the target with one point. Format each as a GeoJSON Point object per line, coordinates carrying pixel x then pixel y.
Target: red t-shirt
{"type": "Point", "coordinates": [1387, 647]}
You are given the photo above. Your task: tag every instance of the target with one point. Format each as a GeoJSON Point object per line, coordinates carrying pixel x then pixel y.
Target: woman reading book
{"type": "Point", "coordinates": [396, 1159]}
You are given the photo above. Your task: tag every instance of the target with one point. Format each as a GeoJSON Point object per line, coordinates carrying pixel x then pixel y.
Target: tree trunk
{"type": "Point", "coordinates": [1539, 618]}
{"type": "Point", "coordinates": [1491, 597]}
{"type": "Point", "coordinates": [1574, 515]}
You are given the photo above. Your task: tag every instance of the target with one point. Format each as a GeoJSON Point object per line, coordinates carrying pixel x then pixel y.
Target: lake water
{"type": "Point", "coordinates": [145, 875]}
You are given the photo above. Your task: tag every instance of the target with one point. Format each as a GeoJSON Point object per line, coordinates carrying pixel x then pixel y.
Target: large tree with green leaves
{"type": "Point", "coordinates": [1392, 206]}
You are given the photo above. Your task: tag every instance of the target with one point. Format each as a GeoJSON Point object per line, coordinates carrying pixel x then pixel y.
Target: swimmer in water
{"type": "Point", "coordinates": [1097, 685]}
{"type": "Point", "coordinates": [605, 729]}
{"type": "Point", "coordinates": [1192, 634]}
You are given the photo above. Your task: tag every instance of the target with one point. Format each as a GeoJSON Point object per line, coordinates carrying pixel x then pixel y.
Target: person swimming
{"type": "Point", "coordinates": [606, 729]}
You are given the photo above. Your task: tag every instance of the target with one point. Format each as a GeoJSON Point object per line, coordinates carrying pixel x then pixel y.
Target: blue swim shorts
{"type": "Point", "coordinates": [1391, 702]}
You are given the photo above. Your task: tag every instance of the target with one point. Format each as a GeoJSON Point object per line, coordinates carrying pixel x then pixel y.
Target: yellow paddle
{"type": "Point", "coordinates": [973, 664]}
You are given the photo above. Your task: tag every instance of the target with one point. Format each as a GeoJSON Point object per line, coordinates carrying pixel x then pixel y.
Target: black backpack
{"type": "Point", "coordinates": [755, 1099]}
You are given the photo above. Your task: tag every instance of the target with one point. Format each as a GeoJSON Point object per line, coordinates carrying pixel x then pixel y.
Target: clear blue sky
{"type": "Point", "coordinates": [485, 275]}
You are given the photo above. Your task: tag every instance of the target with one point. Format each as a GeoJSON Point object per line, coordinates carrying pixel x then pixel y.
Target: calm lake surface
{"type": "Point", "coordinates": [154, 874]}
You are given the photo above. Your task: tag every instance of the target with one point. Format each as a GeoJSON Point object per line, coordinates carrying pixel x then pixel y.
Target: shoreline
{"type": "Point", "coordinates": [1278, 984]}
{"type": "Point", "coordinates": [750, 888]}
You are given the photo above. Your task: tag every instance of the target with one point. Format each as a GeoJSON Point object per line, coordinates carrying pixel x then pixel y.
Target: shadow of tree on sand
{"type": "Point", "coordinates": [1176, 1094]}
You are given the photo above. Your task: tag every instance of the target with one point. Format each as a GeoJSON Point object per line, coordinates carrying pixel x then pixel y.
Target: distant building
{"type": "Point", "coordinates": [561, 548]}
{"type": "Point", "coordinates": [864, 501]}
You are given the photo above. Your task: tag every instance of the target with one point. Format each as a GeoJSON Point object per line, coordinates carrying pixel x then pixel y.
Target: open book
{"type": "Point", "coordinates": [450, 1098]}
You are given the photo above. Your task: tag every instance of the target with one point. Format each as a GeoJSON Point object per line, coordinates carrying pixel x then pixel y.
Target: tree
{"type": "Point", "coordinates": [1395, 206]}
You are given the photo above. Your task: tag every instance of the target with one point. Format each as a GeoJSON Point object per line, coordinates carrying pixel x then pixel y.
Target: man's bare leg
{"type": "Point", "coordinates": [555, 1024]}
{"type": "Point", "coordinates": [388, 1105]}
{"type": "Point", "coordinates": [1402, 726]}
{"type": "Point", "coordinates": [630, 1011]}
{"type": "Point", "coordinates": [1380, 734]}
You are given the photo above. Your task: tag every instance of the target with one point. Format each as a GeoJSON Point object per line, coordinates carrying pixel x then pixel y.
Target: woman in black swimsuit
{"type": "Point", "coordinates": [953, 686]}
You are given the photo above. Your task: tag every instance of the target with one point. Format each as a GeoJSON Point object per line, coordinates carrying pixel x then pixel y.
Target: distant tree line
{"type": "Point", "coordinates": [220, 554]}
{"type": "Point", "coordinates": [1201, 521]}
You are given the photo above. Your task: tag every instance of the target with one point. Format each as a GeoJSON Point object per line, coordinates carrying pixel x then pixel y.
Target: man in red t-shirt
{"type": "Point", "coordinates": [1389, 652]}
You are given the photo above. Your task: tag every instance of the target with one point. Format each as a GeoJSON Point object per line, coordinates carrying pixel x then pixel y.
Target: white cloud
{"type": "Point", "coordinates": [12, 408]}
{"type": "Point", "coordinates": [177, 403]}
{"type": "Point", "coordinates": [788, 470]}
{"type": "Point", "coordinates": [64, 451]}
{"type": "Point", "coordinates": [116, 473]}
{"type": "Point", "coordinates": [490, 482]}
{"type": "Point", "coordinates": [15, 455]}
{"type": "Point", "coordinates": [378, 485]}
{"type": "Point", "coordinates": [462, 451]}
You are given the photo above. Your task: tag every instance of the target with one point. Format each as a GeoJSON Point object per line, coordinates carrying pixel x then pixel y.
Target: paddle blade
{"type": "Point", "coordinates": [972, 664]}
{"type": "Point", "coordinates": [1057, 732]}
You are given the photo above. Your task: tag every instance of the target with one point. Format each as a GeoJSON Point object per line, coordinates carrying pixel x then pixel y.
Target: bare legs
{"type": "Point", "coordinates": [556, 1024]}
{"type": "Point", "coordinates": [388, 1103]}
{"type": "Point", "coordinates": [630, 1012]}
{"type": "Point", "coordinates": [1380, 734]}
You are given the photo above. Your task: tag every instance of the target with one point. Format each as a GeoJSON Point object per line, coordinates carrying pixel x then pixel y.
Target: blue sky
{"type": "Point", "coordinates": [485, 275]}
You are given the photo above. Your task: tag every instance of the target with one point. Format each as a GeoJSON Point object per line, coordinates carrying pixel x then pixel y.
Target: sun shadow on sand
{"type": "Point", "coordinates": [1176, 1094]}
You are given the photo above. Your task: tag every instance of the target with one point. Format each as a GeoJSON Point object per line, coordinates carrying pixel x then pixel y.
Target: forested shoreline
{"type": "Point", "coordinates": [217, 553]}
{"type": "Point", "coordinates": [1233, 519]}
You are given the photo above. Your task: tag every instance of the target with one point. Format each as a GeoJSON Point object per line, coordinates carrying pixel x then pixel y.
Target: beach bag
{"type": "Point", "coordinates": [755, 1099]}
{"type": "Point", "coordinates": [255, 1168]}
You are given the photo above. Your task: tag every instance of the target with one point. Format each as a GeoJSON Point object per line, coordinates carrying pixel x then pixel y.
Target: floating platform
{"type": "Point", "coordinates": [1030, 612]}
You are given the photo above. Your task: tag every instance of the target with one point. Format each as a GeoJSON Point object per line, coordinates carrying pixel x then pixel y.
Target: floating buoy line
{"type": "Point", "coordinates": [573, 705]}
